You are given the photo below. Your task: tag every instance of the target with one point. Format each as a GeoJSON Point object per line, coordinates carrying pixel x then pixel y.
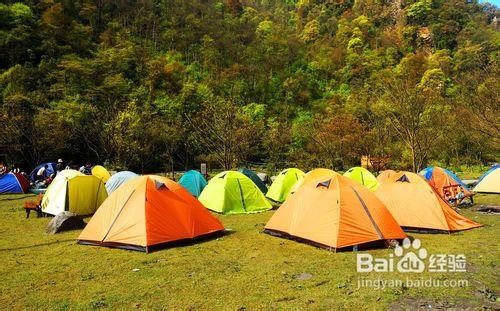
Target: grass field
{"type": "Point", "coordinates": [244, 269]}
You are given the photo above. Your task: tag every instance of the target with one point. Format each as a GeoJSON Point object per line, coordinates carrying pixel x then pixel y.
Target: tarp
{"type": "Point", "coordinates": [283, 184]}
{"type": "Point", "coordinates": [50, 170]}
{"type": "Point", "coordinates": [193, 181]}
{"type": "Point", "coordinates": [336, 212]}
{"type": "Point", "coordinates": [232, 192]}
{"type": "Point", "coordinates": [363, 176]}
{"type": "Point", "coordinates": [116, 180]}
{"type": "Point", "coordinates": [75, 192]}
{"type": "Point", "coordinates": [147, 212]}
{"type": "Point", "coordinates": [255, 178]}
{"type": "Point", "coordinates": [416, 205]}
{"type": "Point", "coordinates": [100, 172]}
{"type": "Point", "coordinates": [440, 179]}
{"type": "Point", "coordinates": [312, 175]}
{"type": "Point", "coordinates": [11, 183]}
{"type": "Point", "coordinates": [490, 181]}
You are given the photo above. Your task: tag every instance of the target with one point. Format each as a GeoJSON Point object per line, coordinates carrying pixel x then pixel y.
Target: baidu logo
{"type": "Point", "coordinates": [411, 257]}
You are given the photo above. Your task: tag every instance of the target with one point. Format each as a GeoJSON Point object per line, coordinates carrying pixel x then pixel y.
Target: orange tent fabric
{"type": "Point", "coordinates": [147, 212]}
{"type": "Point", "coordinates": [415, 205]}
{"type": "Point", "coordinates": [313, 175]}
{"type": "Point", "coordinates": [384, 175]}
{"type": "Point", "coordinates": [334, 213]}
{"type": "Point", "coordinates": [445, 185]}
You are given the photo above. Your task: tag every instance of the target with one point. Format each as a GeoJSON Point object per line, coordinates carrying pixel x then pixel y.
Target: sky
{"type": "Point", "coordinates": [495, 2]}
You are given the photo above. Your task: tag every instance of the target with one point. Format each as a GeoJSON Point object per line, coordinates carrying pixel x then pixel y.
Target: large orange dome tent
{"type": "Point", "coordinates": [385, 175]}
{"type": "Point", "coordinates": [147, 212]}
{"type": "Point", "coordinates": [313, 175]}
{"type": "Point", "coordinates": [334, 212]}
{"type": "Point", "coordinates": [415, 205]}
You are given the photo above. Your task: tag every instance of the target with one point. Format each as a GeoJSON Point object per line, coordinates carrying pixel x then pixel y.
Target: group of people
{"type": "Point", "coordinates": [4, 169]}
{"type": "Point", "coordinates": [45, 174]}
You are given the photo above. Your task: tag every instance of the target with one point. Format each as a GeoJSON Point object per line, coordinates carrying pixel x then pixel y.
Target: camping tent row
{"type": "Point", "coordinates": [336, 212]}
{"type": "Point", "coordinates": [147, 212]}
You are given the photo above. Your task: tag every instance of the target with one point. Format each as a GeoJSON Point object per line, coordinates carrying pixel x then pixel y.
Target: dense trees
{"type": "Point", "coordinates": [156, 84]}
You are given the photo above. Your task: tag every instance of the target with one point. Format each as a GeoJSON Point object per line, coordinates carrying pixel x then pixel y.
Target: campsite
{"type": "Point", "coordinates": [242, 268]}
{"type": "Point", "coordinates": [249, 154]}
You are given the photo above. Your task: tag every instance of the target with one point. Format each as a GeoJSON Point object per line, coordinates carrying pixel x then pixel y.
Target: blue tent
{"type": "Point", "coordinates": [256, 180]}
{"type": "Point", "coordinates": [50, 170]}
{"type": "Point", "coordinates": [427, 174]}
{"type": "Point", "coordinates": [193, 181]}
{"type": "Point", "coordinates": [119, 179]}
{"type": "Point", "coordinates": [13, 183]}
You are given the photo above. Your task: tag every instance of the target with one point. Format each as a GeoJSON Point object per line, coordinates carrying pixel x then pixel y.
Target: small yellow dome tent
{"type": "Point", "coordinates": [233, 192]}
{"type": "Point", "coordinates": [75, 192]}
{"type": "Point", "coordinates": [100, 172]}
{"type": "Point", "coordinates": [363, 176]}
{"type": "Point", "coordinates": [283, 184]}
{"type": "Point", "coordinates": [489, 182]}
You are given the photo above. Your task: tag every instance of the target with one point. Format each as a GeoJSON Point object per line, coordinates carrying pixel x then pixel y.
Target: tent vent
{"type": "Point", "coordinates": [159, 185]}
{"type": "Point", "coordinates": [403, 179]}
{"type": "Point", "coordinates": [325, 184]}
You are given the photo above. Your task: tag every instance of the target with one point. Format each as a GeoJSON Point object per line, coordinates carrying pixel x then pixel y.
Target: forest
{"type": "Point", "coordinates": [158, 84]}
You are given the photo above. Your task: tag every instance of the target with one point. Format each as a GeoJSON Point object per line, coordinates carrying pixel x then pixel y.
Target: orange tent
{"type": "Point", "coordinates": [415, 204]}
{"type": "Point", "coordinates": [313, 175]}
{"type": "Point", "coordinates": [336, 212]}
{"type": "Point", "coordinates": [147, 212]}
{"type": "Point", "coordinates": [384, 175]}
{"type": "Point", "coordinates": [446, 184]}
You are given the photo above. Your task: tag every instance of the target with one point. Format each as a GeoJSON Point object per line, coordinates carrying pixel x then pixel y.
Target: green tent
{"type": "Point", "coordinates": [256, 180]}
{"type": "Point", "coordinates": [283, 184]}
{"type": "Point", "coordinates": [363, 176]}
{"type": "Point", "coordinates": [232, 192]}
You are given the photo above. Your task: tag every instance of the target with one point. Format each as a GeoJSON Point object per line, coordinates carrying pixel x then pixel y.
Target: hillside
{"type": "Point", "coordinates": [153, 84]}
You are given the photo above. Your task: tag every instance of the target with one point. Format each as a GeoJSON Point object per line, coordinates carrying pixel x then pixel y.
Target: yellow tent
{"type": "Point", "coordinates": [100, 172]}
{"type": "Point", "coordinates": [75, 192]}
{"type": "Point", "coordinates": [283, 184]}
{"type": "Point", "coordinates": [363, 176]}
{"type": "Point", "coordinates": [311, 176]}
{"type": "Point", "coordinates": [489, 182]}
{"type": "Point", "coordinates": [415, 204]}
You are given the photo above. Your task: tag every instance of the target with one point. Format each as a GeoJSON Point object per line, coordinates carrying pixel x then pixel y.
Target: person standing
{"type": "Point", "coordinates": [3, 169]}
{"type": "Point", "coordinates": [59, 166]}
{"type": "Point", "coordinates": [42, 172]}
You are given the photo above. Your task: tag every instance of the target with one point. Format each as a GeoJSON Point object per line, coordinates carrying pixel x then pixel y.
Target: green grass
{"type": "Point", "coordinates": [245, 269]}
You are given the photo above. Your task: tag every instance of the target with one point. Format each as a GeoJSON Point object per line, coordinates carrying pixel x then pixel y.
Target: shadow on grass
{"type": "Point", "coordinates": [160, 246]}
{"type": "Point", "coordinates": [34, 246]}
{"type": "Point", "coordinates": [17, 198]}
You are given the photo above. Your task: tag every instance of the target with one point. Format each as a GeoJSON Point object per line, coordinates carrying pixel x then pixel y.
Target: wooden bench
{"type": "Point", "coordinates": [34, 206]}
